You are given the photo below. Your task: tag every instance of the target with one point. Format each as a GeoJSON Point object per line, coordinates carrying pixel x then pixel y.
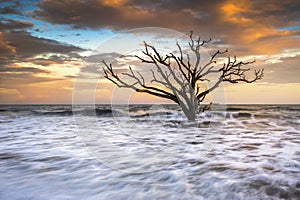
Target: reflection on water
{"type": "Point", "coordinates": [251, 152]}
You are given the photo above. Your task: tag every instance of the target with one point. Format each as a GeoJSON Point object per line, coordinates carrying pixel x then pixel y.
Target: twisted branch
{"type": "Point", "coordinates": [176, 70]}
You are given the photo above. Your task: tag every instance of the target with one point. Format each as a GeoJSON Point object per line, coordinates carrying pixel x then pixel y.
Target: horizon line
{"type": "Point", "coordinates": [3, 104]}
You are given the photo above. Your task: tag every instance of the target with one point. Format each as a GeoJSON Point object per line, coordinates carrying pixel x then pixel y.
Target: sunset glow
{"type": "Point", "coordinates": [44, 44]}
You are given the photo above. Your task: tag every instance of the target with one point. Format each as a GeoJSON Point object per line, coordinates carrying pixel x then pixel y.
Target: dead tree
{"type": "Point", "coordinates": [176, 78]}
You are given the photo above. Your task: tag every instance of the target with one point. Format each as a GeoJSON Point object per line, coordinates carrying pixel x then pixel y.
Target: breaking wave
{"type": "Point", "coordinates": [253, 152]}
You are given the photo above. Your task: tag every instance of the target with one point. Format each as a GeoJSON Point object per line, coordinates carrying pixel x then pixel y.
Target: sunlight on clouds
{"type": "Point", "coordinates": [5, 45]}
{"type": "Point", "coordinates": [232, 12]}
{"type": "Point", "coordinates": [251, 30]}
{"type": "Point", "coordinates": [274, 58]}
{"type": "Point", "coordinates": [287, 53]}
{"type": "Point", "coordinates": [67, 69]}
{"type": "Point", "coordinates": [258, 31]}
{"type": "Point", "coordinates": [56, 69]}
{"type": "Point", "coordinates": [128, 12]}
{"type": "Point", "coordinates": [275, 46]}
{"type": "Point", "coordinates": [35, 68]}
{"type": "Point", "coordinates": [113, 3]}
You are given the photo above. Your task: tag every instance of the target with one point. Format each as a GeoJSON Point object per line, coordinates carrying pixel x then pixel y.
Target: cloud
{"type": "Point", "coordinates": [108, 57]}
{"type": "Point", "coordinates": [5, 47]}
{"type": "Point", "coordinates": [12, 7]}
{"type": "Point", "coordinates": [18, 45]}
{"type": "Point", "coordinates": [109, 14]}
{"type": "Point", "coordinates": [93, 69]}
{"type": "Point", "coordinates": [9, 24]}
{"type": "Point", "coordinates": [7, 51]}
{"type": "Point", "coordinates": [19, 69]}
{"type": "Point", "coordinates": [44, 62]}
{"type": "Point", "coordinates": [93, 62]}
{"type": "Point", "coordinates": [286, 71]}
{"type": "Point", "coordinates": [28, 45]}
{"type": "Point", "coordinates": [56, 59]}
{"type": "Point", "coordinates": [167, 13]}
{"type": "Point", "coordinates": [21, 56]}
{"type": "Point", "coordinates": [276, 14]}
{"type": "Point", "coordinates": [21, 46]}
{"type": "Point", "coordinates": [238, 23]}
{"type": "Point", "coordinates": [263, 29]}
{"type": "Point", "coordinates": [70, 76]}
{"type": "Point", "coordinates": [17, 80]}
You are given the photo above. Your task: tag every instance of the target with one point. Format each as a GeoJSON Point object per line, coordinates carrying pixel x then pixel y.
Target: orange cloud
{"type": "Point", "coordinates": [232, 12]}
{"type": "Point", "coordinates": [248, 21]}
{"type": "Point", "coordinates": [113, 3]}
{"type": "Point", "coordinates": [253, 28]}
{"type": "Point", "coordinates": [5, 46]}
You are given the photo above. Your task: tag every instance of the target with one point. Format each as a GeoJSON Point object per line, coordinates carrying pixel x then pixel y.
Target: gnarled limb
{"type": "Point", "coordinates": [179, 77]}
{"type": "Point", "coordinates": [138, 86]}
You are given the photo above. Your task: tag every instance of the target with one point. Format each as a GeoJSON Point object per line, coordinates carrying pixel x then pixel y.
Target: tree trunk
{"type": "Point", "coordinates": [177, 71]}
{"type": "Point", "coordinates": [190, 113]}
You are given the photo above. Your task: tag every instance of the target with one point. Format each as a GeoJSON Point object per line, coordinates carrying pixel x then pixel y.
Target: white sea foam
{"type": "Point", "coordinates": [246, 152]}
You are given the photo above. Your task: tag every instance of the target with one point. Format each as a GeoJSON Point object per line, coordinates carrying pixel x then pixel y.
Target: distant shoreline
{"type": "Point", "coordinates": [232, 104]}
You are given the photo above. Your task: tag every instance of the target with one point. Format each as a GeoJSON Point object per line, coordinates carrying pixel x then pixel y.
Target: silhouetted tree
{"type": "Point", "coordinates": [179, 77]}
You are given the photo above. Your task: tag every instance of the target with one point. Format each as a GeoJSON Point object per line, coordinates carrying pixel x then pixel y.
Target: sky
{"type": "Point", "coordinates": [47, 48]}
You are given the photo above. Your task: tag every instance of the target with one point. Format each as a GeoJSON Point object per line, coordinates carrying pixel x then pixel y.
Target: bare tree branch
{"type": "Point", "coordinates": [176, 78]}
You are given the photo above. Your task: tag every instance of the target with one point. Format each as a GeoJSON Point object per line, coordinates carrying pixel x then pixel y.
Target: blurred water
{"type": "Point", "coordinates": [149, 152]}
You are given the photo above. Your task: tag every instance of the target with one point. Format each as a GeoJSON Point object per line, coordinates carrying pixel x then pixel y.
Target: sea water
{"type": "Point", "coordinates": [149, 152]}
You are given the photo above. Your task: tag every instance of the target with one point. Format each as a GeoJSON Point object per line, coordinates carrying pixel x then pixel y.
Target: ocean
{"type": "Point", "coordinates": [149, 152]}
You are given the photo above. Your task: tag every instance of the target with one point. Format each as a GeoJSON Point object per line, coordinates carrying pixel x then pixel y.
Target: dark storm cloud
{"type": "Point", "coordinates": [180, 14]}
{"type": "Point", "coordinates": [28, 45]}
{"type": "Point", "coordinates": [277, 12]}
{"type": "Point", "coordinates": [18, 46]}
{"type": "Point", "coordinates": [12, 7]}
{"type": "Point", "coordinates": [106, 14]}
{"type": "Point", "coordinates": [8, 25]}
{"type": "Point", "coordinates": [242, 24]}
{"type": "Point", "coordinates": [176, 5]}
